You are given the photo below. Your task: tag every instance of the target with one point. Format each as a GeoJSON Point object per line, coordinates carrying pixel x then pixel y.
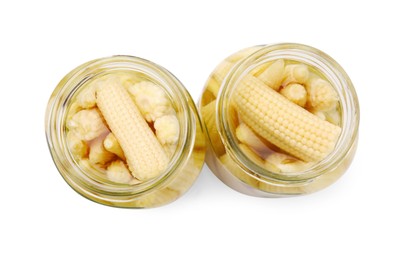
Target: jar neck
{"type": "Point", "coordinates": [60, 105]}
{"type": "Point", "coordinates": [303, 54]}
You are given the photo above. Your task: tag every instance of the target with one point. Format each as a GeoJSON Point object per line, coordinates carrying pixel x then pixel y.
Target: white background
{"type": "Point", "coordinates": [364, 215]}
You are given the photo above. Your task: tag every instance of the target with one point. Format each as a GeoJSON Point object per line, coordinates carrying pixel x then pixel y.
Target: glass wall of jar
{"type": "Point", "coordinates": [280, 120]}
{"type": "Point", "coordinates": [124, 132]}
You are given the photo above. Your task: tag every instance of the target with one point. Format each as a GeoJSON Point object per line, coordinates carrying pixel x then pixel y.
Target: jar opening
{"type": "Point", "coordinates": [316, 61]}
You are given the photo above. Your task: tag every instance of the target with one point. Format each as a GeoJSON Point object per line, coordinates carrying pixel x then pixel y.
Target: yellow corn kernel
{"type": "Point", "coordinates": [118, 172]}
{"type": "Point", "coordinates": [295, 93]}
{"type": "Point", "coordinates": [208, 115]}
{"type": "Point", "coordinates": [111, 144]}
{"type": "Point", "coordinates": [246, 136]}
{"type": "Point", "coordinates": [295, 73]}
{"type": "Point", "coordinates": [77, 147]}
{"type": "Point", "coordinates": [273, 75]}
{"type": "Point", "coordinates": [144, 154]}
{"type": "Point", "coordinates": [98, 154]}
{"type": "Point", "coordinates": [320, 94]}
{"type": "Point", "coordinates": [283, 123]}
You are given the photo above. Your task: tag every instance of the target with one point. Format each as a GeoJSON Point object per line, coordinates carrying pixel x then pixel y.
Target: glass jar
{"type": "Point", "coordinates": [236, 160]}
{"type": "Point", "coordinates": [91, 182]}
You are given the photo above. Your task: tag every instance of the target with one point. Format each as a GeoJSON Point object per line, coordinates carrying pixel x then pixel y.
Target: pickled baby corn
{"type": "Point", "coordinates": [145, 156]}
{"type": "Point", "coordinates": [273, 75]}
{"type": "Point", "coordinates": [295, 73]}
{"type": "Point", "coordinates": [283, 123]}
{"type": "Point", "coordinates": [296, 93]}
{"type": "Point", "coordinates": [320, 94]}
{"type": "Point", "coordinates": [111, 144]}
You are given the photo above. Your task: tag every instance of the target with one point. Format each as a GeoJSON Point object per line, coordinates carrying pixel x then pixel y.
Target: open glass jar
{"type": "Point", "coordinates": [281, 120]}
{"type": "Point", "coordinates": [106, 121]}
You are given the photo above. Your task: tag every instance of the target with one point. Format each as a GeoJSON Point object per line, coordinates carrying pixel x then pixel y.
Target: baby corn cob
{"type": "Point", "coordinates": [111, 144]}
{"type": "Point", "coordinates": [295, 93]}
{"type": "Point", "coordinates": [295, 73]}
{"type": "Point", "coordinates": [246, 136]}
{"type": "Point", "coordinates": [283, 123]}
{"type": "Point", "coordinates": [251, 155]}
{"type": "Point", "coordinates": [273, 75]}
{"type": "Point", "coordinates": [285, 163]}
{"type": "Point", "coordinates": [320, 94]}
{"type": "Point", "coordinates": [145, 156]}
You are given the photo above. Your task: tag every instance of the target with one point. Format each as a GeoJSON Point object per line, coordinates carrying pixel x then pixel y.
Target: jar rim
{"type": "Point", "coordinates": [59, 104]}
{"type": "Point", "coordinates": [307, 54]}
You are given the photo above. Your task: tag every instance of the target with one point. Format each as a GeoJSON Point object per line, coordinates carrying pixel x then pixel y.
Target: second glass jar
{"type": "Point", "coordinates": [281, 120]}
